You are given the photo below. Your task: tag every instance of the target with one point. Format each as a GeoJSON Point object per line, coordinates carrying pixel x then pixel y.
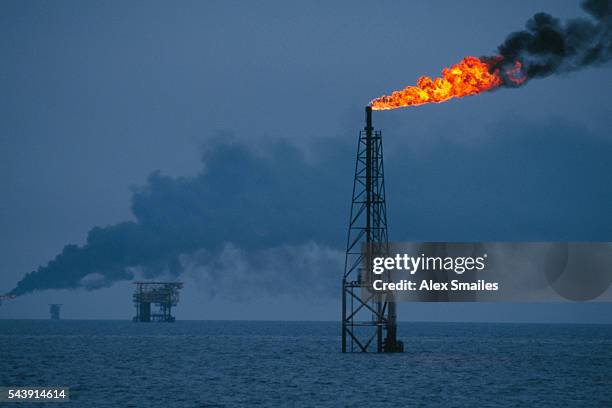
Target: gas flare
{"type": "Point", "coordinates": [545, 47]}
{"type": "Point", "coordinates": [469, 77]}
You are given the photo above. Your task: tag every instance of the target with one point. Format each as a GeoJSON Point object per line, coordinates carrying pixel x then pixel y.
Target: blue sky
{"type": "Point", "coordinates": [253, 110]}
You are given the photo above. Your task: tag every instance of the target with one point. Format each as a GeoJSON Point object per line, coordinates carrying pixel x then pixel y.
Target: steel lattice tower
{"type": "Point", "coordinates": [367, 317]}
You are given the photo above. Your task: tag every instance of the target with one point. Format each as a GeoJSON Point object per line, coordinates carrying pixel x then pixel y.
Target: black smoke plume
{"type": "Point", "coordinates": [548, 46]}
{"type": "Point", "coordinates": [240, 197]}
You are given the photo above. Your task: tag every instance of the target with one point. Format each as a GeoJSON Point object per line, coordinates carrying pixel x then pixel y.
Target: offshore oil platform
{"type": "Point", "coordinates": [154, 301]}
{"type": "Point", "coordinates": [369, 321]}
{"type": "Point", "coordinates": [54, 311]}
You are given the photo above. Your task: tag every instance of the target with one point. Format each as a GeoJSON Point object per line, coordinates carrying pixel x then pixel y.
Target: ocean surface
{"type": "Point", "coordinates": [252, 364]}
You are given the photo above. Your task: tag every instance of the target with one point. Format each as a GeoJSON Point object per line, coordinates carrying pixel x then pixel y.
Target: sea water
{"type": "Point", "coordinates": [252, 364]}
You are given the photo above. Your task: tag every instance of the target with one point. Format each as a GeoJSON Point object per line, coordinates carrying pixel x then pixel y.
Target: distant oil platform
{"type": "Point", "coordinates": [54, 311]}
{"type": "Point", "coordinates": [154, 301]}
{"type": "Point", "coordinates": [6, 297]}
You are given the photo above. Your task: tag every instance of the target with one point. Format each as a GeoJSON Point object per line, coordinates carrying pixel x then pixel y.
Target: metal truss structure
{"type": "Point", "coordinates": [368, 319]}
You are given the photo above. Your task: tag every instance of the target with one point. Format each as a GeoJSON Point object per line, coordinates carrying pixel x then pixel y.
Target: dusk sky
{"type": "Point", "coordinates": [249, 113]}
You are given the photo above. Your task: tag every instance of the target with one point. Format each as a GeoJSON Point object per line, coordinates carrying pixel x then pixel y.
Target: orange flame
{"type": "Point", "coordinates": [469, 77]}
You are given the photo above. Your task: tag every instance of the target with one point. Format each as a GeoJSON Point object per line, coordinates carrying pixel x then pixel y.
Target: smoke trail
{"type": "Point", "coordinates": [295, 270]}
{"type": "Point", "coordinates": [248, 200]}
{"type": "Point", "coordinates": [548, 47]}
